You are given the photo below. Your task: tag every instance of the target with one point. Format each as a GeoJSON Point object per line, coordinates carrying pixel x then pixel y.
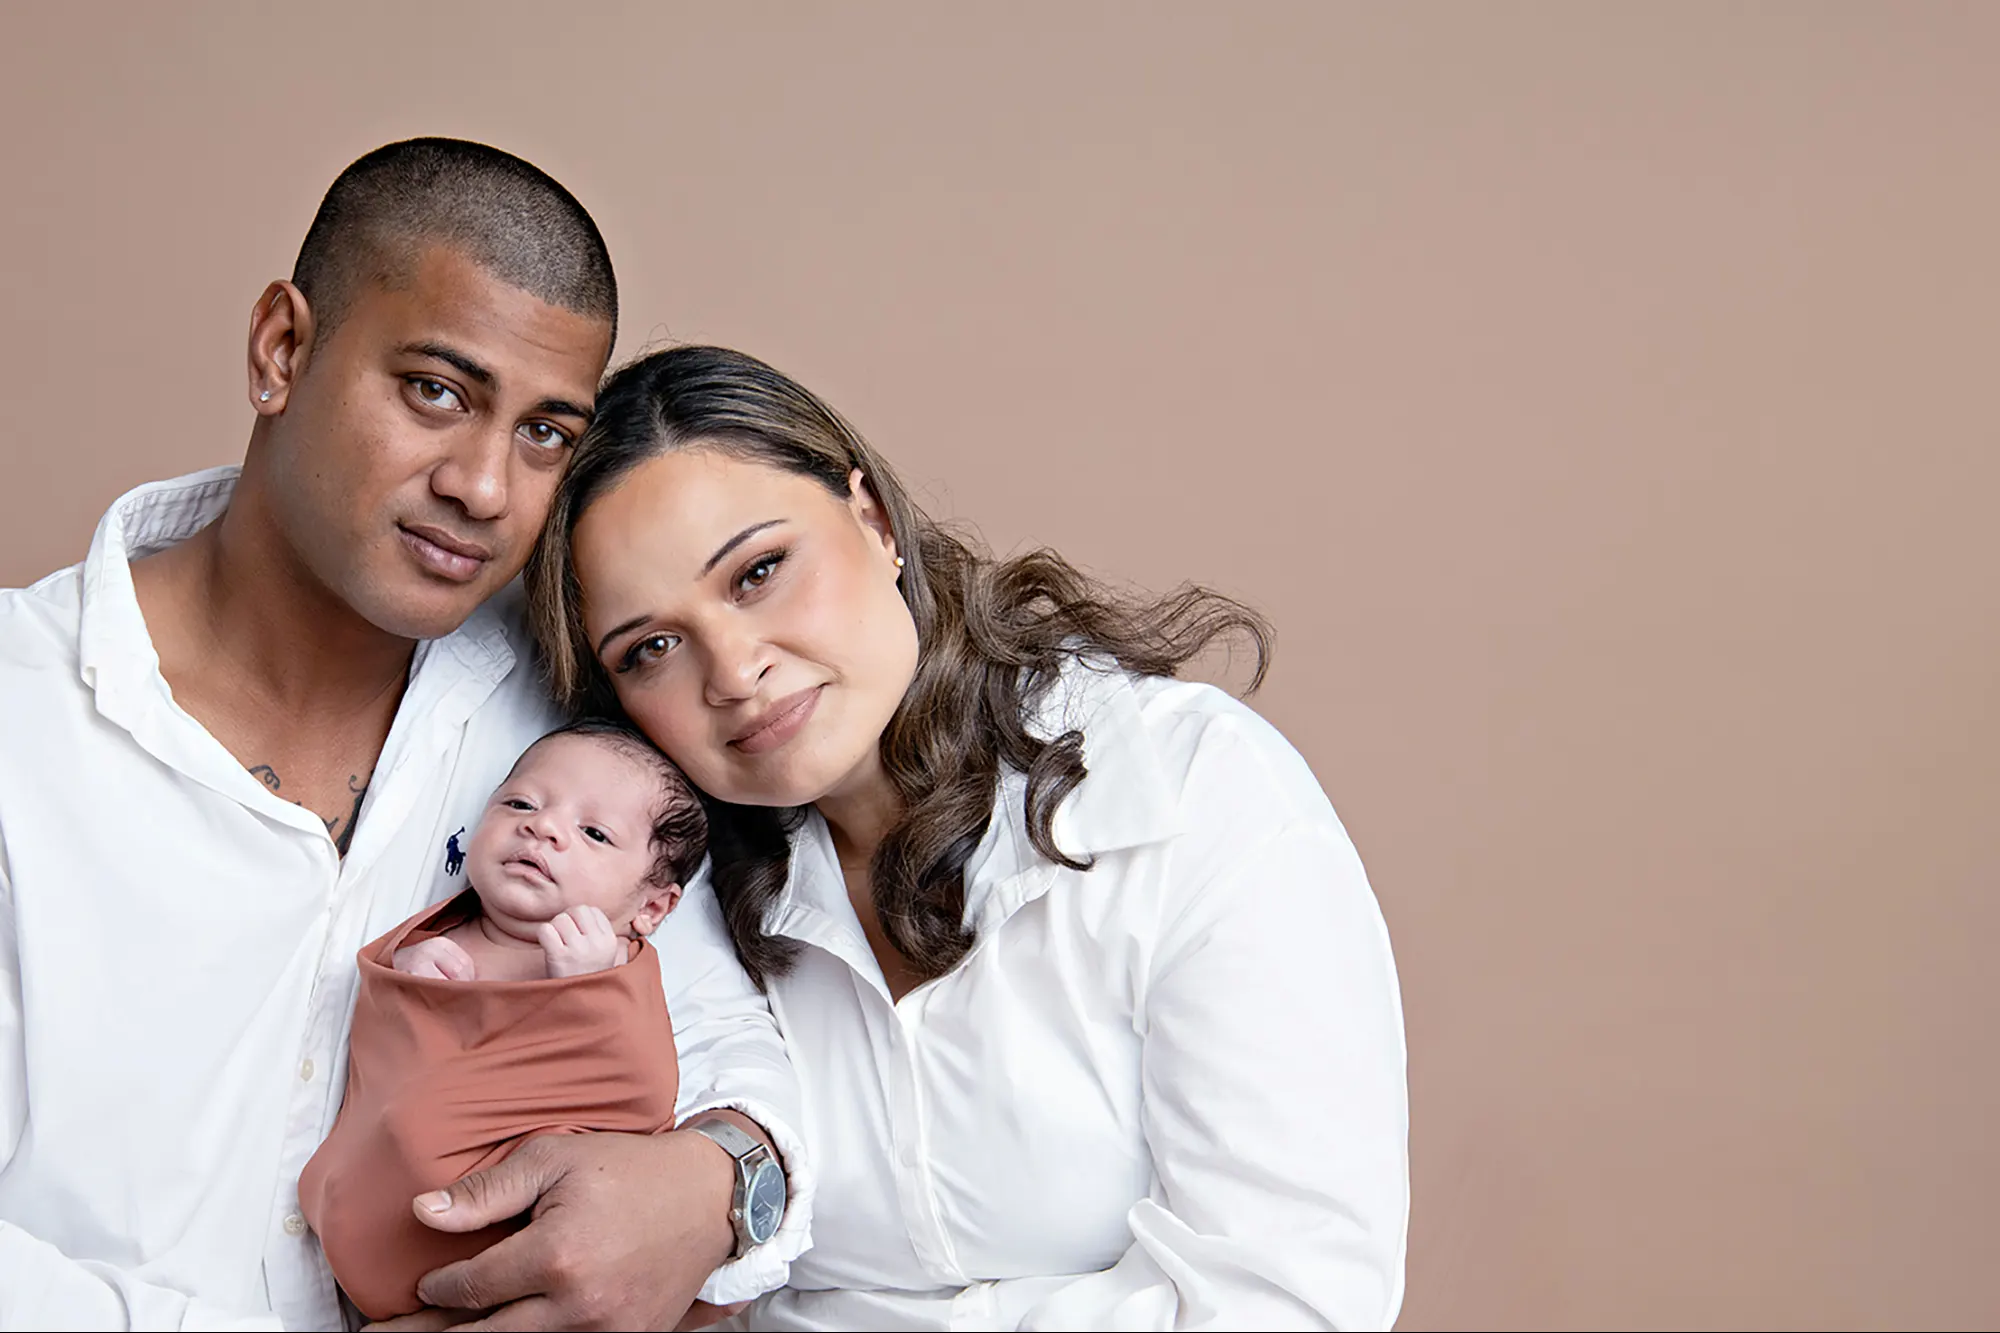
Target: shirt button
{"type": "Point", "coordinates": [295, 1225]}
{"type": "Point", "coordinates": [306, 1072]}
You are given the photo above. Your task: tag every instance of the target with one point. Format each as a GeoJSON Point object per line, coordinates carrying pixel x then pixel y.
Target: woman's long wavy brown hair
{"type": "Point", "coordinates": [992, 638]}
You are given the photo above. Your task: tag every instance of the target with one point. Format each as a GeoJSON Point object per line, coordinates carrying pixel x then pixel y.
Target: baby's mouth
{"type": "Point", "coordinates": [534, 863]}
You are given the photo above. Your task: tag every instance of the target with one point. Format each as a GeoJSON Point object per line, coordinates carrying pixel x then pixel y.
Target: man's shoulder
{"type": "Point", "coordinates": [38, 628]}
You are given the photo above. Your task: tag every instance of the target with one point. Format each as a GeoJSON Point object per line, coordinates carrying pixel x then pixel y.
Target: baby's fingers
{"type": "Point", "coordinates": [453, 961]}
{"type": "Point", "coordinates": [591, 920]}
{"type": "Point", "coordinates": [566, 927]}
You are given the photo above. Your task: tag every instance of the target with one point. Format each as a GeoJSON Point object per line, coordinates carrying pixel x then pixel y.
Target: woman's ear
{"type": "Point", "coordinates": [653, 908]}
{"type": "Point", "coordinates": [871, 513]}
{"type": "Point", "coordinates": [281, 330]}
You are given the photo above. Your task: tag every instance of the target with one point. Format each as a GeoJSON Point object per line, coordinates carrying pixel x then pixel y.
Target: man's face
{"type": "Point", "coordinates": [419, 450]}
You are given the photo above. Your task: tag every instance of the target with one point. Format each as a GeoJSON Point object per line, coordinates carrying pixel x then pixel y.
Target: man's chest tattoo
{"type": "Point", "coordinates": [338, 827]}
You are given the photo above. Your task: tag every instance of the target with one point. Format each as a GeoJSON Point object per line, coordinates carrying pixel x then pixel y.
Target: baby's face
{"type": "Point", "coordinates": [571, 825]}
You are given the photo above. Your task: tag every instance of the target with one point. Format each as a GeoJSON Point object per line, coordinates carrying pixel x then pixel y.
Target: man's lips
{"type": "Point", "coordinates": [778, 723]}
{"type": "Point", "coordinates": [441, 552]}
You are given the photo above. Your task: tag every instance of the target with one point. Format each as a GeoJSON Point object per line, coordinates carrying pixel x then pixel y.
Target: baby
{"type": "Point", "coordinates": [530, 1004]}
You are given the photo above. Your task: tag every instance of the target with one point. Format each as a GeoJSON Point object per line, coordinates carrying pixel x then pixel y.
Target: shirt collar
{"type": "Point", "coordinates": [115, 653]}
{"type": "Point", "coordinates": [1124, 801]}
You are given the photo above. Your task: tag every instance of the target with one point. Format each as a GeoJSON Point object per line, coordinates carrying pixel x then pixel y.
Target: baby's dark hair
{"type": "Point", "coordinates": [680, 824]}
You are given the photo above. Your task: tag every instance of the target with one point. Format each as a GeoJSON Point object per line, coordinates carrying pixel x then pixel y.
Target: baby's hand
{"type": "Point", "coordinates": [580, 940]}
{"type": "Point", "coordinates": [435, 957]}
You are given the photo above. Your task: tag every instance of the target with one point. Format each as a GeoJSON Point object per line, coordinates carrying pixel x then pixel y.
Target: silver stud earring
{"type": "Point", "coordinates": [264, 397]}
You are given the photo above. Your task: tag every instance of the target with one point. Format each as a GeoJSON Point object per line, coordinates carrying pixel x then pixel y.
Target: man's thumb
{"type": "Point", "coordinates": [506, 1189]}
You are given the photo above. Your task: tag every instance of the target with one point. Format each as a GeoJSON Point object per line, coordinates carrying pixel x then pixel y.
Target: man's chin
{"type": "Point", "coordinates": [427, 613]}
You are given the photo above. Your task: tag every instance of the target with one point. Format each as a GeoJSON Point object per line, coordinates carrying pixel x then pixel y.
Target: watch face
{"type": "Point", "coordinates": [764, 1204]}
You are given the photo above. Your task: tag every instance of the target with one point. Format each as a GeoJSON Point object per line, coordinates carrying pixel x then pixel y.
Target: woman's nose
{"type": "Point", "coordinates": [735, 666]}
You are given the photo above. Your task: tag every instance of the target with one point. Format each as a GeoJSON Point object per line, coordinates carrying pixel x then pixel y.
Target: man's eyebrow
{"type": "Point", "coordinates": [737, 541]}
{"type": "Point", "coordinates": [471, 369]}
{"type": "Point", "coordinates": [563, 407]}
{"type": "Point", "coordinates": [480, 375]}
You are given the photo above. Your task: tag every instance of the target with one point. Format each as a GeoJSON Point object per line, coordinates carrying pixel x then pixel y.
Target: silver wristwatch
{"type": "Point", "coordinates": [758, 1205]}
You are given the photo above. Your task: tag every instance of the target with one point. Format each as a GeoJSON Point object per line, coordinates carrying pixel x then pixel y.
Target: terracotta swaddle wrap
{"type": "Point", "coordinates": [446, 1077]}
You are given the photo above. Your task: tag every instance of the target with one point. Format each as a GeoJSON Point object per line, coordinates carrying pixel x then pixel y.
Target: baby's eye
{"type": "Point", "coordinates": [595, 834]}
{"type": "Point", "coordinates": [516, 803]}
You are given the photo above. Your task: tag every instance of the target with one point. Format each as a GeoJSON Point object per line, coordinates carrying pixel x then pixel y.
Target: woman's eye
{"type": "Point", "coordinates": [544, 436]}
{"type": "Point", "coordinates": [594, 834]}
{"type": "Point", "coordinates": [759, 571]}
{"type": "Point", "coordinates": [649, 649]}
{"type": "Point", "coordinates": [435, 393]}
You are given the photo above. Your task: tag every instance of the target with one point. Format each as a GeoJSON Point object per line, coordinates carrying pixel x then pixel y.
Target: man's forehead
{"type": "Point", "coordinates": [446, 300]}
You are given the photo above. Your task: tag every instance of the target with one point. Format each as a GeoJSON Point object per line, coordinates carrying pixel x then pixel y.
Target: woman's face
{"type": "Point", "coordinates": [750, 623]}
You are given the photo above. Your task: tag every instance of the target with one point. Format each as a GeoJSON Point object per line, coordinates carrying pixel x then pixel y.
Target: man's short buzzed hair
{"type": "Point", "coordinates": [509, 217]}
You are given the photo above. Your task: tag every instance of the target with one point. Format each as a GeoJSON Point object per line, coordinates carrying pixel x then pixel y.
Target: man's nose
{"type": "Point", "coordinates": [473, 473]}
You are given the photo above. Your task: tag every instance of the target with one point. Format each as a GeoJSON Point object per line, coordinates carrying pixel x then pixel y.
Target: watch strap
{"type": "Point", "coordinates": [726, 1137]}
{"type": "Point", "coordinates": [749, 1155]}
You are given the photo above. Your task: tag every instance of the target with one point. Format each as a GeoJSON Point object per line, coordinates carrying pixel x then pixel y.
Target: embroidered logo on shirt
{"type": "Point", "coordinates": [454, 855]}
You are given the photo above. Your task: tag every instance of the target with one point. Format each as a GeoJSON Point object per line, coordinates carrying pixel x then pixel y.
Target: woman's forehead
{"type": "Point", "coordinates": [692, 494]}
{"type": "Point", "coordinates": [665, 522]}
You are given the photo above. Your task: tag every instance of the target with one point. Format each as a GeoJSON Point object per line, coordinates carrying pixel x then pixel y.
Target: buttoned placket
{"type": "Point", "coordinates": [897, 1032]}
{"type": "Point", "coordinates": [408, 766]}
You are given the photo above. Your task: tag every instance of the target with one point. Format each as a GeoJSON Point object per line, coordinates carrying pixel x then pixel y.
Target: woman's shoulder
{"type": "Point", "coordinates": [1211, 754]}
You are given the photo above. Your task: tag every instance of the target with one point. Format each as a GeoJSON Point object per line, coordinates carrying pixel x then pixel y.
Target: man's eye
{"type": "Point", "coordinates": [544, 436]}
{"type": "Point", "coordinates": [594, 834]}
{"type": "Point", "coordinates": [435, 393]}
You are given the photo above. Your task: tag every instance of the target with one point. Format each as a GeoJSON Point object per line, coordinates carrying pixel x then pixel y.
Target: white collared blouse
{"type": "Point", "coordinates": [1168, 1092]}
{"type": "Point", "coordinates": [177, 951]}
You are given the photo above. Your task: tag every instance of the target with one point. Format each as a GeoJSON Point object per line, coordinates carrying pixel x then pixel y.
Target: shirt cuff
{"type": "Point", "coordinates": [766, 1266]}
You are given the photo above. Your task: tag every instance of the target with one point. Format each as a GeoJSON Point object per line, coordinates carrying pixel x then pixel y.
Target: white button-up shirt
{"type": "Point", "coordinates": [1168, 1092]}
{"type": "Point", "coordinates": [177, 957]}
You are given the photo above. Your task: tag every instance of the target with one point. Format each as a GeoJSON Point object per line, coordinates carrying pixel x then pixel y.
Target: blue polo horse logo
{"type": "Point", "coordinates": [454, 855]}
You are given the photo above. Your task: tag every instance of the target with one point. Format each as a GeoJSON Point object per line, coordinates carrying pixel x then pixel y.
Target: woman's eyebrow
{"type": "Point", "coordinates": [737, 541]}
{"type": "Point", "coordinates": [714, 560]}
{"type": "Point", "coordinates": [617, 630]}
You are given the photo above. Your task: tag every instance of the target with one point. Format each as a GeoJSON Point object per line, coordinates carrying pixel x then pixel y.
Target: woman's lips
{"type": "Point", "coordinates": [443, 554]}
{"type": "Point", "coordinates": [783, 721]}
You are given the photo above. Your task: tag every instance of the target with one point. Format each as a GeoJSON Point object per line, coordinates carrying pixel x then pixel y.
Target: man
{"type": "Point", "coordinates": [245, 736]}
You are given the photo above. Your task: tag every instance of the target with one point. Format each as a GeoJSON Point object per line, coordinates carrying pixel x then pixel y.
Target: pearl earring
{"type": "Point", "coordinates": [264, 397]}
{"type": "Point", "coordinates": [899, 562]}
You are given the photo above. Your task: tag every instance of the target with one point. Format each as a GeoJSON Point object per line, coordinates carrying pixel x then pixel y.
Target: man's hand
{"type": "Point", "coordinates": [626, 1228]}
{"type": "Point", "coordinates": [434, 957]}
{"type": "Point", "coordinates": [580, 940]}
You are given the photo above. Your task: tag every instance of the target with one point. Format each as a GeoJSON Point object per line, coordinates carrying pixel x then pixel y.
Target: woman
{"type": "Point", "coordinates": [1093, 1008]}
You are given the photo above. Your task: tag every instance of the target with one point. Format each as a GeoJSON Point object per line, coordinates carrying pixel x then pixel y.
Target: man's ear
{"type": "Point", "coordinates": [281, 331]}
{"type": "Point", "coordinates": [653, 908]}
{"type": "Point", "coordinates": [870, 511]}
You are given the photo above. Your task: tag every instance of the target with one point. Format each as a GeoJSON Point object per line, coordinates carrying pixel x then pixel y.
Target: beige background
{"type": "Point", "coordinates": [1601, 399]}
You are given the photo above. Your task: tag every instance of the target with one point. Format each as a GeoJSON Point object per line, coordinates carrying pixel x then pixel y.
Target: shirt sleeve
{"type": "Point", "coordinates": [1274, 1105]}
{"type": "Point", "coordinates": [40, 1287]}
{"type": "Point", "coordinates": [732, 1057]}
